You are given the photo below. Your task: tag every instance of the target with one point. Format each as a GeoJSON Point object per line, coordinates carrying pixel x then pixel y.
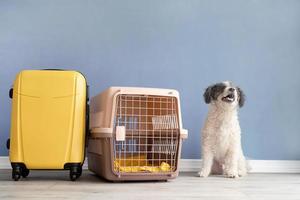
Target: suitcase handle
{"type": "Point", "coordinates": [87, 93]}
{"type": "Point", "coordinates": [8, 143]}
{"type": "Point", "coordinates": [53, 69]}
{"type": "Point", "coordinates": [87, 124]}
{"type": "Point", "coordinates": [87, 113]}
{"type": "Point", "coordinates": [11, 93]}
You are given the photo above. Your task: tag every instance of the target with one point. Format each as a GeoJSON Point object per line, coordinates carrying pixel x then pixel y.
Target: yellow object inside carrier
{"type": "Point", "coordinates": [139, 164]}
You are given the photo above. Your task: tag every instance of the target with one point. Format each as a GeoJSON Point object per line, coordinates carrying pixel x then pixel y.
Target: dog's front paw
{"type": "Point", "coordinates": [231, 175]}
{"type": "Point", "coordinates": [242, 173]}
{"type": "Point", "coordinates": [203, 174]}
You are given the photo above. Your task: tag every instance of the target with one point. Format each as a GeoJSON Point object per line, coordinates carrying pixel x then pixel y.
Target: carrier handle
{"type": "Point", "coordinates": [184, 133]}
{"type": "Point", "coordinates": [101, 132]}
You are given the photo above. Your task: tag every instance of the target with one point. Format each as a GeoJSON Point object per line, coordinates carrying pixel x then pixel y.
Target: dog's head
{"type": "Point", "coordinates": [224, 94]}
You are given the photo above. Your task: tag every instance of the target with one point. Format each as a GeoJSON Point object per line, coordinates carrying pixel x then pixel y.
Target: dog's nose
{"type": "Point", "coordinates": [231, 89]}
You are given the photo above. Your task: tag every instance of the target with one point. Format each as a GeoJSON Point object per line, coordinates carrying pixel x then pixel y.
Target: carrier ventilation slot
{"type": "Point", "coordinates": [164, 122]}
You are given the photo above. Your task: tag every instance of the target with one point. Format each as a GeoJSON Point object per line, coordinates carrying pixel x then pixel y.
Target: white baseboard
{"type": "Point", "coordinates": [4, 162]}
{"type": "Point", "coordinates": [193, 165]}
{"type": "Point", "coordinates": [257, 166]}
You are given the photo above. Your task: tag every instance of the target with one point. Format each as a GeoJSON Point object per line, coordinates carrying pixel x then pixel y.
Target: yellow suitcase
{"type": "Point", "coordinates": [48, 122]}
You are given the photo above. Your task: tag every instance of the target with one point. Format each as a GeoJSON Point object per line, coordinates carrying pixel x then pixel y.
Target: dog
{"type": "Point", "coordinates": [221, 134]}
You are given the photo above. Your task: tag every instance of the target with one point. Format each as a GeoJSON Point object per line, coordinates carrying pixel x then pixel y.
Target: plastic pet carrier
{"type": "Point", "coordinates": [136, 134]}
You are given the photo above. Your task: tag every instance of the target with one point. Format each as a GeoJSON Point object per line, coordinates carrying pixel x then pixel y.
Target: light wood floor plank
{"type": "Point", "coordinates": [56, 185]}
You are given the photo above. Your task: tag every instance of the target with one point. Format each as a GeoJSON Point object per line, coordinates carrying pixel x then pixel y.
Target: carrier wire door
{"type": "Point", "coordinates": [152, 134]}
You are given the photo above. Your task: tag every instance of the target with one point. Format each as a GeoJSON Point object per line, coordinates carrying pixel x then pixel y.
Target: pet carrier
{"type": "Point", "coordinates": [136, 134]}
{"type": "Point", "coordinates": [48, 122]}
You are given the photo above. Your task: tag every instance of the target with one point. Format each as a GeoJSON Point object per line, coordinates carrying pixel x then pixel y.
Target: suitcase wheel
{"type": "Point", "coordinates": [75, 172]}
{"type": "Point", "coordinates": [16, 176]}
{"type": "Point", "coordinates": [25, 172]}
{"type": "Point", "coordinates": [18, 171]}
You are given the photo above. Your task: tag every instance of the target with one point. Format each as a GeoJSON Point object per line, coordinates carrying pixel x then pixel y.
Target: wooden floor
{"type": "Point", "coordinates": [55, 185]}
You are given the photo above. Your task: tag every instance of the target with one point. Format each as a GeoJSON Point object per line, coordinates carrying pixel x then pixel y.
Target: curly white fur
{"type": "Point", "coordinates": [221, 136]}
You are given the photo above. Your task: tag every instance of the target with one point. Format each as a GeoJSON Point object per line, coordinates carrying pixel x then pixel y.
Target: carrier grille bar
{"type": "Point", "coordinates": [151, 137]}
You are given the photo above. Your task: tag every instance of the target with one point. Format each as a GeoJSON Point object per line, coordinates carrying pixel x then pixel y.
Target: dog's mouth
{"type": "Point", "coordinates": [229, 98]}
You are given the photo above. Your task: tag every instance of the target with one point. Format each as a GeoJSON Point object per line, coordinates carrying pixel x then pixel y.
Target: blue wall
{"type": "Point", "coordinates": [179, 44]}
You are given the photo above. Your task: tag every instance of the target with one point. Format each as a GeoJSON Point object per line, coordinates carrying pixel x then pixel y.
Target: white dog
{"type": "Point", "coordinates": [221, 135]}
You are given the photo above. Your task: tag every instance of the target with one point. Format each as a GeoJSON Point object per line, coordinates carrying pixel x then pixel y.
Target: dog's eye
{"type": "Point", "coordinates": [217, 90]}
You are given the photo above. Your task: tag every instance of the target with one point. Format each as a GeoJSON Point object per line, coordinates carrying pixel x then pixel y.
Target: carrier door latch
{"type": "Point", "coordinates": [184, 133]}
{"type": "Point", "coordinates": [120, 133]}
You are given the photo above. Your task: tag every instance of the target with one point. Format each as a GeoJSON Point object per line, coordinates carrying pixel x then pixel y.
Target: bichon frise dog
{"type": "Point", "coordinates": [221, 135]}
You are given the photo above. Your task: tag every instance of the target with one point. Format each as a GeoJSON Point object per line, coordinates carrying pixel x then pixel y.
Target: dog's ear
{"type": "Point", "coordinates": [242, 97]}
{"type": "Point", "coordinates": [207, 95]}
